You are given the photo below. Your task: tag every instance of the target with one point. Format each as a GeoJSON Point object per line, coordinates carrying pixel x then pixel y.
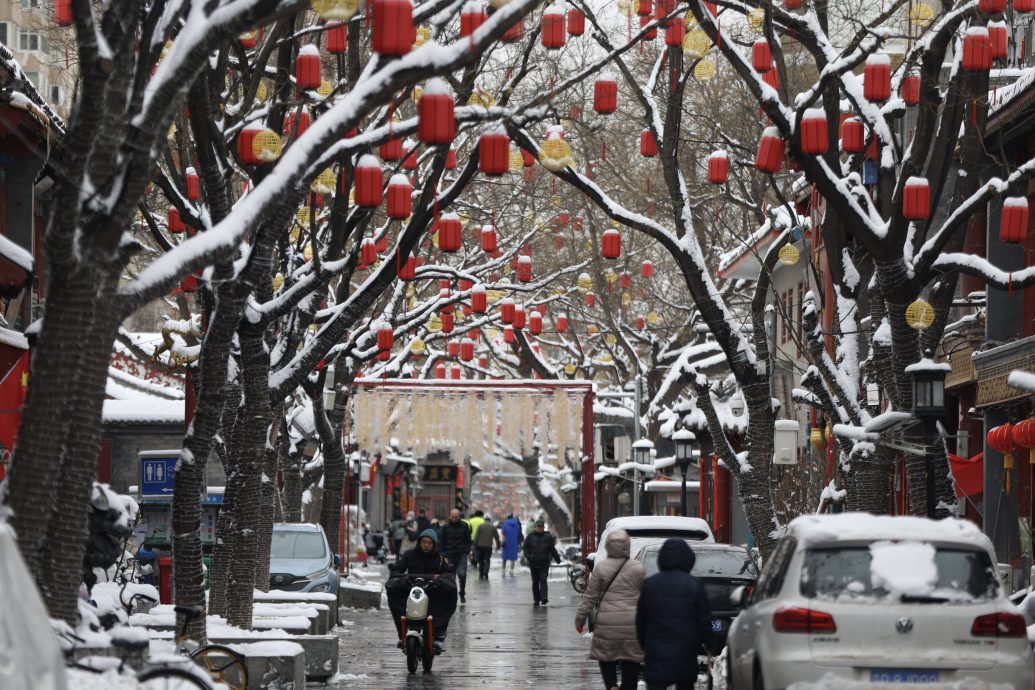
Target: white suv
{"type": "Point", "coordinates": [871, 599]}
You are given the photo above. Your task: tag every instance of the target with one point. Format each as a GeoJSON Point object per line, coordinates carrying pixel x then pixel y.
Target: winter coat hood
{"type": "Point", "coordinates": [430, 533]}
{"type": "Point", "coordinates": [618, 544]}
{"type": "Point", "coordinates": [675, 554]}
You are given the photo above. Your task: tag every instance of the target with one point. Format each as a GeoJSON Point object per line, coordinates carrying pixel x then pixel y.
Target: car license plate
{"type": "Point", "coordinates": [902, 675]}
{"type": "Point", "coordinates": [716, 625]}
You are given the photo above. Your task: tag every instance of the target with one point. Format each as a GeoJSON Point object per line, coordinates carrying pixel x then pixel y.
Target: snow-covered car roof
{"type": "Point", "coordinates": [298, 526]}
{"type": "Point", "coordinates": [653, 522]}
{"type": "Point", "coordinates": [855, 527]}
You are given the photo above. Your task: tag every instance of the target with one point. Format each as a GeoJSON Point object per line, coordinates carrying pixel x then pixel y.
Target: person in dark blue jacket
{"type": "Point", "coordinates": [673, 619]}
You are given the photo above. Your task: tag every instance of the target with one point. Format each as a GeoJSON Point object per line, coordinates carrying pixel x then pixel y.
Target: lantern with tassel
{"type": "Point", "coordinates": [1013, 222]}
{"type": "Point", "coordinates": [553, 32]}
{"type": "Point", "coordinates": [369, 179]}
{"type": "Point", "coordinates": [307, 67]}
{"type": "Point", "coordinates": [770, 151]}
{"type": "Point", "coordinates": [814, 132]}
{"type": "Point", "coordinates": [718, 167]}
{"type": "Point", "coordinates": [400, 196]}
{"type": "Point", "coordinates": [1000, 439]}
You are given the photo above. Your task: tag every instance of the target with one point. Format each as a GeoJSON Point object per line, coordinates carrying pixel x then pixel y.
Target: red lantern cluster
{"type": "Point", "coordinates": [909, 89]}
{"type": "Point", "coordinates": [472, 16]}
{"type": "Point", "coordinates": [450, 232]}
{"type": "Point", "coordinates": [770, 151]}
{"type": "Point", "coordinates": [307, 68]}
{"type": "Point", "coordinates": [392, 29]}
{"type": "Point", "coordinates": [436, 120]}
{"type": "Point", "coordinates": [916, 199]}
{"type": "Point", "coordinates": [853, 135]}
{"type": "Point", "coordinates": [336, 37]}
{"type": "Point", "coordinates": [761, 55]}
{"type": "Point", "coordinates": [605, 94]}
{"type": "Point", "coordinates": [369, 180]}
{"type": "Point", "coordinates": [611, 244]}
{"type": "Point", "coordinates": [977, 50]}
{"type": "Point", "coordinates": [400, 197]}
{"type": "Point", "coordinates": [1013, 223]}
{"type": "Point", "coordinates": [648, 145]}
{"type": "Point", "coordinates": [877, 78]}
{"type": "Point", "coordinates": [553, 32]}
{"type": "Point", "coordinates": [718, 167]}
{"type": "Point", "coordinates": [494, 151]}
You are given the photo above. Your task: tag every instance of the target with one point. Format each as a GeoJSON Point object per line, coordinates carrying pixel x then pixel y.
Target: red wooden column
{"type": "Point", "coordinates": [721, 487]}
{"type": "Point", "coordinates": [589, 502]}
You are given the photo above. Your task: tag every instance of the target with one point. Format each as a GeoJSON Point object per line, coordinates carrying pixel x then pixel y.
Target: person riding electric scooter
{"type": "Point", "coordinates": [427, 563]}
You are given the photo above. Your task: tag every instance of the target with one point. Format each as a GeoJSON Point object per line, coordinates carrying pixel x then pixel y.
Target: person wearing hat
{"type": "Point", "coordinates": [539, 549]}
{"type": "Point", "coordinates": [424, 560]}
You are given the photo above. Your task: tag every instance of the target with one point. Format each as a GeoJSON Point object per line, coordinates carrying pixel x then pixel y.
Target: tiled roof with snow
{"type": "Point", "coordinates": [143, 411]}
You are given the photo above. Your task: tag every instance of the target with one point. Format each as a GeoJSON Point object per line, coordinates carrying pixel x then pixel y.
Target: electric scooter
{"type": "Point", "coordinates": [418, 631]}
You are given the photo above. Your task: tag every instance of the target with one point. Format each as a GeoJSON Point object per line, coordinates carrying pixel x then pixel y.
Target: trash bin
{"type": "Point", "coordinates": [165, 573]}
{"type": "Point", "coordinates": [146, 557]}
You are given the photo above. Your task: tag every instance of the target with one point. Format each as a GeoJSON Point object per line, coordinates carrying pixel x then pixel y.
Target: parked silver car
{"type": "Point", "coordinates": [301, 559]}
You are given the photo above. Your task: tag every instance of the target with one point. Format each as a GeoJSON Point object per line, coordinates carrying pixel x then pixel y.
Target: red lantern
{"type": "Point", "coordinates": [663, 8]}
{"type": "Point", "coordinates": [494, 151]}
{"type": "Point", "coordinates": [436, 121]}
{"type": "Point", "coordinates": [392, 30]}
{"type": "Point", "coordinates": [450, 232]}
{"type": "Point", "coordinates": [407, 269]}
{"type": "Point", "coordinates": [1000, 439]}
{"type": "Point", "coordinates": [400, 195]}
{"type": "Point", "coordinates": [645, 8]}
{"type": "Point", "coordinates": [385, 337]}
{"type": "Point", "coordinates": [467, 350]}
{"type": "Point", "coordinates": [535, 323]}
{"type": "Point", "coordinates": [471, 18]}
{"type": "Point", "coordinates": [648, 146]}
{"type": "Point", "coordinates": [508, 334]}
{"type": "Point", "coordinates": [453, 349]}
{"type": "Point", "coordinates": [1024, 5]}
{"type": "Point", "coordinates": [174, 221]}
{"type": "Point", "coordinates": [853, 135]}
{"type": "Point", "coordinates": [999, 39]}
{"type": "Point", "coordinates": [455, 373]}
{"type": "Point", "coordinates": [507, 311]}
{"type": "Point", "coordinates": [611, 244]}
{"type": "Point", "coordinates": [772, 77]}
{"type": "Point", "coordinates": [524, 269]}
{"type": "Point", "coordinates": [391, 150]}
{"type": "Point", "coordinates": [991, 6]}
{"type": "Point", "coordinates": [641, 323]}
{"type": "Point", "coordinates": [625, 281]}
{"type": "Point", "coordinates": [675, 32]}
{"type": "Point", "coordinates": [368, 251]}
{"type": "Point", "coordinates": [1013, 223]}
{"type": "Point", "coordinates": [63, 13]}
{"type": "Point", "coordinates": [465, 284]}
{"type": "Point", "coordinates": [249, 39]}
{"type": "Point", "coordinates": [910, 89]}
{"type": "Point", "coordinates": [1024, 437]}
{"type": "Point", "coordinates": [576, 22]}
{"type": "Point", "coordinates": [877, 78]}
{"type": "Point", "coordinates": [553, 35]}
{"type": "Point", "coordinates": [761, 55]}
{"type": "Point", "coordinates": [977, 50]}
{"type": "Point", "coordinates": [814, 132]}
{"type": "Point", "coordinates": [646, 269]}
{"type": "Point", "coordinates": [718, 167]}
{"type": "Point", "coordinates": [369, 180]}
{"type": "Point", "coordinates": [244, 144]}
{"type": "Point", "coordinates": [792, 4]}
{"type": "Point", "coordinates": [410, 156]}
{"type": "Point", "coordinates": [916, 199]}
{"type": "Point", "coordinates": [591, 299]}
{"type": "Point", "coordinates": [479, 303]}
{"type": "Point", "coordinates": [295, 124]}
{"type": "Point", "coordinates": [561, 323]}
{"type": "Point", "coordinates": [605, 94]}
{"type": "Point", "coordinates": [488, 239]}
{"type": "Point", "coordinates": [381, 244]}
{"type": "Point", "coordinates": [515, 33]}
{"type": "Point", "coordinates": [193, 184]}
{"type": "Point", "coordinates": [307, 68]}
{"type": "Point", "coordinates": [652, 33]}
{"type": "Point", "coordinates": [440, 370]}
{"type": "Point", "coordinates": [446, 316]}
{"type": "Point", "coordinates": [336, 37]}
{"type": "Point", "coordinates": [519, 317]}
{"type": "Point", "coordinates": [770, 151]}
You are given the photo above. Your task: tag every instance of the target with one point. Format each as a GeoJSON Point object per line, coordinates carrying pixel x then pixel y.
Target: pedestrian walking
{"type": "Point", "coordinates": [423, 522]}
{"type": "Point", "coordinates": [484, 539]}
{"type": "Point", "coordinates": [410, 531]}
{"type": "Point", "coordinates": [673, 619]}
{"type": "Point", "coordinates": [477, 519]}
{"type": "Point", "coordinates": [398, 529]}
{"type": "Point", "coordinates": [456, 545]}
{"type": "Point", "coordinates": [614, 589]}
{"type": "Point", "coordinates": [512, 541]}
{"type": "Point", "coordinates": [540, 548]}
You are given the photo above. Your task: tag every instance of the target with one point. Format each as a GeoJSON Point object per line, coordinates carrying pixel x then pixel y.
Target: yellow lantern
{"type": "Point", "coordinates": [323, 183]}
{"type": "Point", "coordinates": [325, 89]}
{"type": "Point", "coordinates": [789, 255]}
{"type": "Point", "coordinates": [172, 131]}
{"type": "Point", "coordinates": [556, 153]}
{"type": "Point", "coordinates": [481, 99]}
{"type": "Point", "coordinates": [653, 318]}
{"type": "Point", "coordinates": [262, 91]}
{"type": "Point", "coordinates": [493, 296]}
{"type": "Point", "coordinates": [570, 369]}
{"type": "Point", "coordinates": [417, 347]}
{"type": "Point", "coordinates": [816, 438]}
{"type": "Point", "coordinates": [696, 44]}
{"type": "Point", "coordinates": [584, 283]}
{"type": "Point", "coordinates": [705, 70]}
{"type": "Point", "coordinates": [593, 329]}
{"type": "Point", "coordinates": [307, 253]}
{"type": "Point", "coordinates": [756, 19]}
{"type": "Point", "coordinates": [626, 299]}
{"type": "Point", "coordinates": [627, 8]}
{"type": "Point", "coordinates": [303, 216]}
{"type": "Point", "coordinates": [423, 34]}
{"type": "Point", "coordinates": [920, 315]}
{"type": "Point", "coordinates": [294, 234]}
{"type": "Point", "coordinates": [338, 10]}
{"type": "Point", "coordinates": [266, 146]}
{"type": "Point", "coordinates": [415, 96]}
{"type": "Point", "coordinates": [559, 292]}
{"type": "Point", "coordinates": [278, 282]}
{"type": "Point", "coordinates": [610, 275]}
{"type": "Point", "coordinates": [555, 201]}
{"type": "Point", "coordinates": [610, 339]}
{"type": "Point", "coordinates": [921, 14]}
{"type": "Point", "coordinates": [493, 334]}
{"type": "Point", "coordinates": [434, 323]}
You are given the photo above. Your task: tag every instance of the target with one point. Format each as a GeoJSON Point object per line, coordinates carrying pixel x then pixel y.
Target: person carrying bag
{"type": "Point", "coordinates": [608, 606]}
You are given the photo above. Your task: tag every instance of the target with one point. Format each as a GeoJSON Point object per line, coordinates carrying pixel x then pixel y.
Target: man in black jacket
{"type": "Point", "coordinates": [540, 548]}
{"type": "Point", "coordinates": [673, 619]}
{"type": "Point", "coordinates": [455, 544]}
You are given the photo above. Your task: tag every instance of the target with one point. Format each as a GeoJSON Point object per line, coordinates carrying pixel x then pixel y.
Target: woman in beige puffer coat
{"type": "Point", "coordinates": [614, 637]}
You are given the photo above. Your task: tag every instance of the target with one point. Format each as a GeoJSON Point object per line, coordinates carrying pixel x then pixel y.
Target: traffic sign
{"type": "Point", "coordinates": [158, 473]}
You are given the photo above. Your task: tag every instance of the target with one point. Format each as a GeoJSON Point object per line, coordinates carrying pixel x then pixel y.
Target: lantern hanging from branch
{"type": "Point", "coordinates": [174, 221]}
{"type": "Point", "coordinates": [605, 94]}
{"type": "Point", "coordinates": [561, 323]}
{"type": "Point", "coordinates": [675, 32]}
{"type": "Point", "coordinates": [324, 182]}
{"type": "Point", "coordinates": [788, 255]}
{"type": "Point", "coordinates": [450, 232]}
{"type": "Point", "coordinates": [507, 311]}
{"type": "Point", "coordinates": [991, 6]}
{"type": "Point", "coordinates": [535, 323]}
{"type": "Point", "coordinates": [494, 151]}
{"type": "Point", "coordinates": [392, 30]}
{"type": "Point", "coordinates": [436, 120]}
{"type": "Point", "coordinates": [877, 78]}
{"type": "Point", "coordinates": [63, 13]}
{"type": "Point", "coordinates": [1013, 222]}
{"type": "Point", "coordinates": [307, 67]}
{"type": "Point", "coordinates": [718, 167]}
{"type": "Point", "coordinates": [553, 33]}
{"type": "Point", "coordinates": [342, 10]}
{"type": "Point", "coordinates": [519, 317]}
{"type": "Point", "coordinates": [336, 37]}
{"type": "Point", "coordinates": [1023, 434]}
{"type": "Point", "coordinates": [369, 179]}
{"type": "Point", "coordinates": [591, 299]}
{"type": "Point", "coordinates": [472, 16]}
{"type": "Point", "coordinates": [400, 197]}
{"type": "Point", "coordinates": [295, 124]}
{"type": "Point", "coordinates": [479, 302]}
{"type": "Point", "coordinates": [555, 154]}
{"type": "Point", "coordinates": [977, 50]}
{"type": "Point", "coordinates": [910, 89]}
{"type": "Point", "coordinates": [853, 136]}
{"type": "Point", "coordinates": [920, 315]}
{"type": "Point", "coordinates": [524, 269]}
{"type": "Point", "coordinates": [488, 238]}
{"type": "Point", "coordinates": [998, 37]}
{"type": "Point", "coordinates": [814, 132]}
{"type": "Point", "coordinates": [193, 184]}
{"type": "Point", "coordinates": [761, 55]}
{"type": "Point", "coordinates": [515, 33]}
{"type": "Point", "coordinates": [648, 145]}
{"type": "Point", "coordinates": [770, 151]}
{"type": "Point", "coordinates": [266, 146]}
{"type": "Point", "coordinates": [916, 199]}
{"type": "Point", "coordinates": [576, 22]}
{"type": "Point", "coordinates": [611, 244]}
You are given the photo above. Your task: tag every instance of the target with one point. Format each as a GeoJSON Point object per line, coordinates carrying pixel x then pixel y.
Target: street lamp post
{"type": "Point", "coordinates": [928, 379]}
{"type": "Point", "coordinates": [641, 451]}
{"type": "Point", "coordinates": [687, 450]}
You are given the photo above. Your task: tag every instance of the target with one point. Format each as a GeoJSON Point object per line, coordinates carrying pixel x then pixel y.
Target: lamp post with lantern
{"type": "Point", "coordinates": [928, 380]}
{"type": "Point", "coordinates": [641, 456]}
{"type": "Point", "coordinates": [688, 450]}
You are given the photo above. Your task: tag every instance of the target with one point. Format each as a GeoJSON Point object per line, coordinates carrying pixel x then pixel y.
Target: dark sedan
{"type": "Point", "coordinates": [721, 568]}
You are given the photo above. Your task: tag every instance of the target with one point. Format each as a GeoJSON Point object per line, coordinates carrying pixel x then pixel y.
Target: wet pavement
{"type": "Point", "coordinates": [496, 640]}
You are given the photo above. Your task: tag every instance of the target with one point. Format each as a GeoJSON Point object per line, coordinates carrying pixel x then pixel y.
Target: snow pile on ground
{"type": "Point", "coordinates": [829, 682]}
{"type": "Point", "coordinates": [363, 586]}
{"type": "Point", "coordinates": [903, 568]}
{"type": "Point", "coordinates": [109, 680]}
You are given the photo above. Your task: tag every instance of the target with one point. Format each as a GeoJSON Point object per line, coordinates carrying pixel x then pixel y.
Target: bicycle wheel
{"type": "Point", "coordinates": [223, 665]}
{"type": "Point", "coordinates": [171, 678]}
{"type": "Point", "coordinates": [412, 653]}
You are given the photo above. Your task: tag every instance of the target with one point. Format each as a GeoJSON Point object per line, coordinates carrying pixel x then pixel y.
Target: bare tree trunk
{"type": "Point", "coordinates": [268, 506]}
{"type": "Point", "coordinates": [551, 503]}
{"type": "Point", "coordinates": [291, 469]}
